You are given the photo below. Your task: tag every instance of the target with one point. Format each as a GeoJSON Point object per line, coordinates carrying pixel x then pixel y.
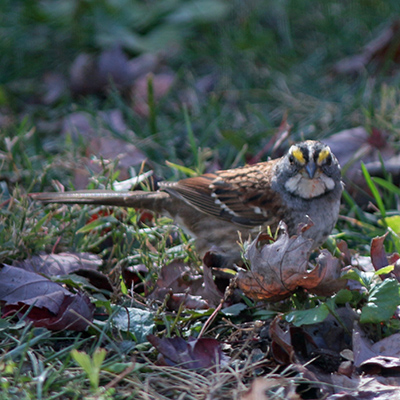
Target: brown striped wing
{"type": "Point", "coordinates": [242, 195]}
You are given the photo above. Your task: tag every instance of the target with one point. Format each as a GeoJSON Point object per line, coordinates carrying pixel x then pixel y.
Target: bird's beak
{"type": "Point", "coordinates": [311, 168]}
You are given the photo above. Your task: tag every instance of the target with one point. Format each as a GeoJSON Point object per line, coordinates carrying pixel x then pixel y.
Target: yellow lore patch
{"type": "Point", "coordinates": [324, 153]}
{"type": "Point", "coordinates": [298, 155]}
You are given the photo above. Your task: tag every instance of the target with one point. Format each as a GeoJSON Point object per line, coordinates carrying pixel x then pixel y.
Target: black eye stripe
{"type": "Point", "coordinates": [316, 154]}
{"type": "Point", "coordinates": [304, 151]}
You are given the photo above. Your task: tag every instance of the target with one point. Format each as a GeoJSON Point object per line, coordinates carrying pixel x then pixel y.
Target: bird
{"type": "Point", "coordinates": [304, 184]}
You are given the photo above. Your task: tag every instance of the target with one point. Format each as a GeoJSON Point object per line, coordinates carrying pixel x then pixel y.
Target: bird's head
{"type": "Point", "coordinates": [310, 169]}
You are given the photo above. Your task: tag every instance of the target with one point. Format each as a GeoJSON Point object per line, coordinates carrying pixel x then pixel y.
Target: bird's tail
{"type": "Point", "coordinates": [154, 201]}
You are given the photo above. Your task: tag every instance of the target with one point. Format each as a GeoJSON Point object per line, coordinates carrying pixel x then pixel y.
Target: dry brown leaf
{"type": "Point", "coordinates": [184, 285]}
{"type": "Point", "coordinates": [281, 346]}
{"type": "Point", "coordinates": [364, 387]}
{"type": "Point", "coordinates": [382, 355]}
{"type": "Point", "coordinates": [193, 353]}
{"type": "Point", "coordinates": [278, 269]}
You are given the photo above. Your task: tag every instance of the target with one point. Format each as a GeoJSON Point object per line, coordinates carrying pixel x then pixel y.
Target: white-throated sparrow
{"type": "Point", "coordinates": [303, 184]}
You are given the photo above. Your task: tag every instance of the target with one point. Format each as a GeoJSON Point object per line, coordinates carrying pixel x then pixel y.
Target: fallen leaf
{"type": "Point", "coordinates": [75, 313]}
{"type": "Point", "coordinates": [133, 275]}
{"type": "Point", "coordinates": [82, 264]}
{"type": "Point", "coordinates": [378, 252]}
{"type": "Point", "coordinates": [210, 291]}
{"type": "Point", "coordinates": [97, 74]}
{"type": "Point", "coordinates": [55, 85]}
{"type": "Point", "coordinates": [384, 47]}
{"type": "Point", "coordinates": [278, 269]}
{"type": "Point", "coordinates": [99, 133]}
{"type": "Point", "coordinates": [281, 345]}
{"type": "Point", "coordinates": [161, 84]}
{"type": "Point", "coordinates": [50, 305]}
{"type": "Point", "coordinates": [332, 335]}
{"type": "Point", "coordinates": [184, 285]}
{"type": "Point", "coordinates": [103, 124]}
{"type": "Point", "coordinates": [59, 264]}
{"type": "Point", "coordinates": [356, 145]}
{"type": "Point", "coordinates": [128, 155]}
{"type": "Point", "coordinates": [364, 387]}
{"type": "Point", "coordinates": [137, 321]}
{"type": "Point", "coordinates": [189, 301]}
{"type": "Point", "coordinates": [178, 277]}
{"type": "Point", "coordinates": [380, 354]}
{"type": "Point", "coordinates": [190, 354]}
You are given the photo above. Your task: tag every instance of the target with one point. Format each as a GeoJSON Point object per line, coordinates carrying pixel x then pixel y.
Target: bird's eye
{"type": "Point", "coordinates": [328, 160]}
{"type": "Point", "coordinates": [291, 159]}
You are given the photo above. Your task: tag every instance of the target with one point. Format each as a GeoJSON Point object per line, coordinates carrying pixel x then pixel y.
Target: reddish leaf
{"type": "Point", "coordinates": [20, 286]}
{"type": "Point", "coordinates": [178, 277]}
{"type": "Point", "coordinates": [52, 305]}
{"type": "Point", "coordinates": [68, 316]}
{"type": "Point", "coordinates": [133, 275]}
{"type": "Point", "coordinates": [191, 354]}
{"type": "Point", "coordinates": [378, 253]}
{"type": "Point", "coordinates": [281, 346]}
{"type": "Point", "coordinates": [210, 291]}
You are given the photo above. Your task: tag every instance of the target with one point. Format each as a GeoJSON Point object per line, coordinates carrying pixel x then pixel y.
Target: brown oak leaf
{"type": "Point", "coordinates": [279, 268]}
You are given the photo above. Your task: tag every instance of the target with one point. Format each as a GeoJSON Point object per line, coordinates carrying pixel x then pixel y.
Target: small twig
{"type": "Point", "coordinates": [228, 292]}
{"type": "Point", "coordinates": [211, 318]}
{"type": "Point", "coordinates": [53, 250]}
{"type": "Point", "coordinates": [121, 376]}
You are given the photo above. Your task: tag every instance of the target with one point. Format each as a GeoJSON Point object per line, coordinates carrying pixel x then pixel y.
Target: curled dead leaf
{"type": "Point", "coordinates": [279, 268]}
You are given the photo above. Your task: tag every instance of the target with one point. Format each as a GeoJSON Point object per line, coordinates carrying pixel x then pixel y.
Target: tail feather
{"type": "Point", "coordinates": [155, 201]}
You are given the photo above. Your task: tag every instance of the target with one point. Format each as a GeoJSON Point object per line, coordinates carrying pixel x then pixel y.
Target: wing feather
{"type": "Point", "coordinates": [227, 195]}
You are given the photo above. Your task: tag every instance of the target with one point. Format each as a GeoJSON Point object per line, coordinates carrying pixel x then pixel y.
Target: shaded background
{"type": "Point", "coordinates": [232, 71]}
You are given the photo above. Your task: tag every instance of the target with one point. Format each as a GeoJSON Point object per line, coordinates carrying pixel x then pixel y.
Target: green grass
{"type": "Point", "coordinates": [266, 59]}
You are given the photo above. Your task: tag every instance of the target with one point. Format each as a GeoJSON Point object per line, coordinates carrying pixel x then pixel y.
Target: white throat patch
{"type": "Point", "coordinates": [309, 188]}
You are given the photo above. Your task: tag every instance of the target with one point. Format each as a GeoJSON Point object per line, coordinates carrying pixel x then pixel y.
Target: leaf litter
{"type": "Point", "coordinates": [311, 345]}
